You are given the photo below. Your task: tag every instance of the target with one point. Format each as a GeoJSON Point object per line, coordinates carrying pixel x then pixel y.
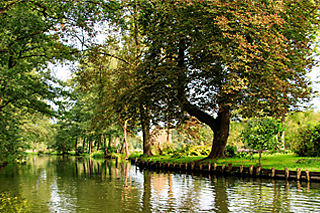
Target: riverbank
{"type": "Point", "coordinates": [277, 161]}
{"type": "Point", "coordinates": [234, 167]}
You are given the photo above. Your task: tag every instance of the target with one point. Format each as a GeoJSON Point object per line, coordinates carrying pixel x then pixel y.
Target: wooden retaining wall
{"type": "Point", "coordinates": [230, 169]}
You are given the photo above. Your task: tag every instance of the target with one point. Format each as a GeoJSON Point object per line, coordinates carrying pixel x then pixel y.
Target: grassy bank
{"type": "Point", "coordinates": [277, 161]}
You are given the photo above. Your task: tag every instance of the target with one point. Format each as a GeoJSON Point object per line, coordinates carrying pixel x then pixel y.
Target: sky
{"type": "Point", "coordinates": [314, 77]}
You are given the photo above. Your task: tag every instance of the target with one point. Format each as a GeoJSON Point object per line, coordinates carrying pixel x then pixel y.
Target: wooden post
{"type": "Point", "coordinates": [273, 172]}
{"type": "Point", "coordinates": [223, 167]}
{"type": "Point", "coordinates": [186, 166]}
{"type": "Point", "coordinates": [230, 167]}
{"type": "Point", "coordinates": [200, 167]}
{"type": "Point", "coordinates": [308, 175]}
{"type": "Point", "coordinates": [180, 165]}
{"type": "Point", "coordinates": [215, 167]}
{"type": "Point", "coordinates": [174, 165]}
{"type": "Point", "coordinates": [298, 174]}
{"type": "Point", "coordinates": [135, 160]}
{"type": "Point", "coordinates": [192, 166]}
{"type": "Point", "coordinates": [251, 170]}
{"type": "Point", "coordinates": [209, 167]}
{"type": "Point", "coordinates": [286, 173]}
{"type": "Point", "coordinates": [168, 164]}
{"type": "Point", "coordinates": [160, 164]}
{"type": "Point", "coordinates": [241, 169]}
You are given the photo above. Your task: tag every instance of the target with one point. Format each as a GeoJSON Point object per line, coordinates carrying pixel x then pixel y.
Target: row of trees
{"type": "Point", "coordinates": [205, 59]}
{"type": "Point", "coordinates": [161, 63]}
{"type": "Point", "coordinates": [33, 34]}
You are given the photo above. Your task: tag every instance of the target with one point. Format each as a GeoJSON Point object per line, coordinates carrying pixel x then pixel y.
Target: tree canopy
{"type": "Point", "coordinates": [34, 34]}
{"type": "Point", "coordinates": [213, 57]}
{"type": "Point", "coordinates": [163, 62]}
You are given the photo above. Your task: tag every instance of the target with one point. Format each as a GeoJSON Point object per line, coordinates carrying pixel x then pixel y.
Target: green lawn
{"type": "Point", "coordinates": [268, 161]}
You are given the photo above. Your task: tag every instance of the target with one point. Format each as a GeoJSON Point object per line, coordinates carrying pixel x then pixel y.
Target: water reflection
{"type": "Point", "coordinates": [62, 184]}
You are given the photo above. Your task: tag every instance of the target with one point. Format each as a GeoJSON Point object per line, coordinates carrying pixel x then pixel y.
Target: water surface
{"type": "Point", "coordinates": [69, 184]}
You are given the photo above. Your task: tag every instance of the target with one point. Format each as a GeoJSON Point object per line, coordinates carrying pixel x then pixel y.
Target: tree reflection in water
{"type": "Point", "coordinates": [69, 184]}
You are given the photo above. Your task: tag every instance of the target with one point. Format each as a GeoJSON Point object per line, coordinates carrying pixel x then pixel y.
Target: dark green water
{"type": "Point", "coordinates": [68, 184]}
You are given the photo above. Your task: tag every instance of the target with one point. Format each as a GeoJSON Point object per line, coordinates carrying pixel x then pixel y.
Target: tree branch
{"type": "Point", "coordinates": [116, 57]}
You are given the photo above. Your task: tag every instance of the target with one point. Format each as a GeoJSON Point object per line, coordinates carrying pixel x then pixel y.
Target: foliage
{"type": "Point", "coordinates": [231, 151]}
{"type": "Point", "coordinates": [98, 154]}
{"type": "Point", "coordinates": [136, 142]}
{"type": "Point", "coordinates": [11, 143]}
{"type": "Point", "coordinates": [236, 127]}
{"type": "Point", "coordinates": [308, 143]}
{"type": "Point", "coordinates": [260, 134]}
{"type": "Point", "coordinates": [195, 132]}
{"type": "Point", "coordinates": [80, 150]}
{"type": "Point", "coordinates": [37, 129]}
{"type": "Point", "coordinates": [187, 150]}
{"type": "Point", "coordinates": [207, 58]}
{"type": "Point", "coordinates": [33, 35]}
{"type": "Point", "coordinates": [297, 121]}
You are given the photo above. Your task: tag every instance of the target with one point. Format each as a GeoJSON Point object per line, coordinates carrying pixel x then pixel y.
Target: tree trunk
{"type": "Point", "coordinates": [90, 147]}
{"type": "Point", "coordinates": [115, 144]}
{"type": "Point", "coordinates": [84, 143]}
{"type": "Point", "coordinates": [221, 133]}
{"type": "Point", "coordinates": [169, 135]}
{"type": "Point", "coordinates": [105, 146]}
{"type": "Point", "coordinates": [76, 146]}
{"type": "Point", "coordinates": [125, 142]}
{"type": "Point", "coordinates": [145, 123]}
{"type": "Point", "coordinates": [220, 124]}
{"type": "Point", "coordinates": [146, 141]}
{"type": "Point", "coordinates": [122, 147]}
{"type": "Point", "coordinates": [110, 140]}
{"type": "Point", "coordinates": [283, 144]}
{"type": "Point", "coordinates": [99, 142]}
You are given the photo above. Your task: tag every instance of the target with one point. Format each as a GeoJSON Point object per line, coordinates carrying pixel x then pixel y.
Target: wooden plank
{"type": "Point", "coordinates": [315, 174]}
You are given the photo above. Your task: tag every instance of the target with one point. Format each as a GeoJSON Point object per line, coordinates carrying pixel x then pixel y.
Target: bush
{"type": "Point", "coordinates": [308, 143]}
{"type": "Point", "coordinates": [231, 151]}
{"type": "Point", "coordinates": [188, 150]}
{"type": "Point", "coordinates": [99, 154]}
{"type": "Point", "coordinates": [80, 150]}
{"type": "Point", "coordinates": [260, 134]}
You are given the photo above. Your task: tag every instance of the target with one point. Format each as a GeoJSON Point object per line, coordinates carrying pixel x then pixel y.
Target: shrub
{"type": "Point", "coordinates": [189, 150]}
{"type": "Point", "coordinates": [99, 154]}
{"type": "Point", "coordinates": [260, 134]}
{"type": "Point", "coordinates": [80, 150]}
{"type": "Point", "coordinates": [308, 143]}
{"type": "Point", "coordinates": [231, 151]}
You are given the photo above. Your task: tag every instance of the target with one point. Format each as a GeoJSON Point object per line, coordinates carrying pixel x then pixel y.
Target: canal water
{"type": "Point", "coordinates": [69, 184]}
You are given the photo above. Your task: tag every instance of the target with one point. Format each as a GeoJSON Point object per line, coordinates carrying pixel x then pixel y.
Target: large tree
{"type": "Point", "coordinates": [34, 33]}
{"type": "Point", "coordinates": [212, 57]}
